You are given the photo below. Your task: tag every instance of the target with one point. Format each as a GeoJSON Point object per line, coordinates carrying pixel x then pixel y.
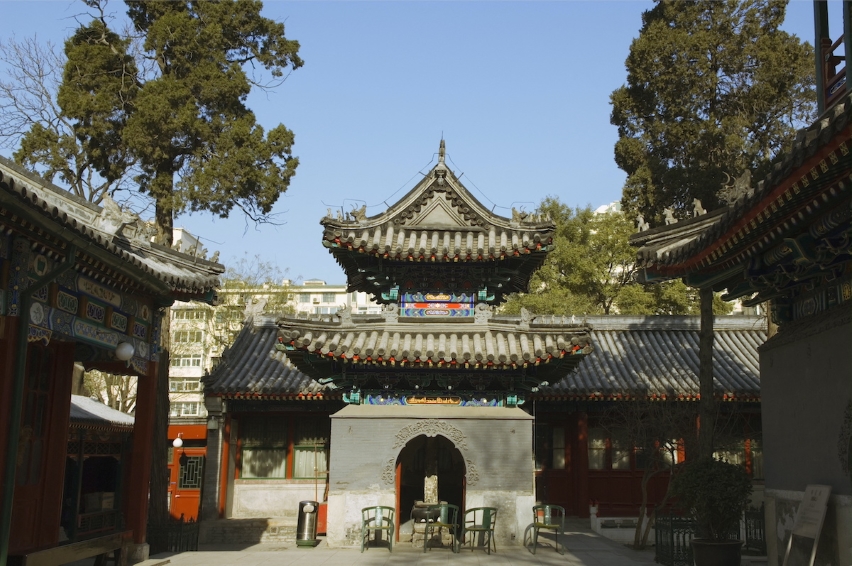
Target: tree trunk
{"type": "Point", "coordinates": [159, 485]}
{"type": "Point", "coordinates": [158, 512]}
{"type": "Point", "coordinates": [707, 405]}
{"type": "Point", "coordinates": [638, 543]}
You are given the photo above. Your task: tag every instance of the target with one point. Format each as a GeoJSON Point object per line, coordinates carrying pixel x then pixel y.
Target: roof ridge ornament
{"type": "Point", "coordinates": [736, 190]}
{"type": "Point", "coordinates": [345, 316]}
{"type": "Point", "coordinates": [123, 222]}
{"type": "Point", "coordinates": [482, 313]}
{"type": "Point", "coordinates": [440, 170]}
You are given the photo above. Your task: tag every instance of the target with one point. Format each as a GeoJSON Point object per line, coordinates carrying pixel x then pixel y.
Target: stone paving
{"type": "Point", "coordinates": [582, 546]}
{"type": "Point", "coordinates": [581, 549]}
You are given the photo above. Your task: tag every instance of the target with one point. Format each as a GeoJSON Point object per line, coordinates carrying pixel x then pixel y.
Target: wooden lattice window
{"type": "Point", "coordinates": [191, 472]}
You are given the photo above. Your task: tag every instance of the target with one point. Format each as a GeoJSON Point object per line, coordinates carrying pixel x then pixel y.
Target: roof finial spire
{"type": "Point", "coordinates": [442, 151]}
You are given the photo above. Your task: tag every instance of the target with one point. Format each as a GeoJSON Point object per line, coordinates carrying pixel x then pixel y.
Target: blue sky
{"type": "Point", "coordinates": [519, 91]}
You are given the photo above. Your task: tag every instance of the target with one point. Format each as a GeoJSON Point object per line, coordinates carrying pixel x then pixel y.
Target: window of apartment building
{"type": "Point", "coordinates": [304, 297]}
{"type": "Point", "coordinates": [328, 297]}
{"type": "Point", "coordinates": [188, 314]}
{"type": "Point", "coordinates": [187, 336]}
{"type": "Point", "coordinates": [186, 361]}
{"type": "Point", "coordinates": [184, 385]}
{"type": "Point", "coordinates": [185, 409]}
{"type": "Point", "coordinates": [266, 450]}
{"type": "Point", "coordinates": [326, 310]}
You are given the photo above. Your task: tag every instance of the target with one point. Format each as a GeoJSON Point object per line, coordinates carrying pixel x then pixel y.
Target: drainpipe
{"type": "Point", "coordinates": [14, 427]}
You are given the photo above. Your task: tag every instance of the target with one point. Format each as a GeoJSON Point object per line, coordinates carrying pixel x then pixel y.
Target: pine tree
{"type": "Point", "coordinates": [714, 88]}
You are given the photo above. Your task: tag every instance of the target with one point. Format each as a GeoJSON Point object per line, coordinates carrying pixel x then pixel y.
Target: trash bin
{"type": "Point", "coordinates": [306, 526]}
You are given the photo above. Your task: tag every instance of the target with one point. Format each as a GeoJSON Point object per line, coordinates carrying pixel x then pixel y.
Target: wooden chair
{"type": "Point", "coordinates": [448, 518]}
{"type": "Point", "coordinates": [548, 517]}
{"type": "Point", "coordinates": [480, 520]}
{"type": "Point", "coordinates": [377, 519]}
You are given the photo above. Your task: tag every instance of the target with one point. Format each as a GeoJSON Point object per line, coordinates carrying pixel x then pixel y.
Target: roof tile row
{"type": "Point", "coordinates": [645, 357]}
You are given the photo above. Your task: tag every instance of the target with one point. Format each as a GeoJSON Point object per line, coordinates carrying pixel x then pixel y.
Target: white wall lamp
{"type": "Point", "coordinates": [178, 443]}
{"type": "Point", "coordinates": [124, 351]}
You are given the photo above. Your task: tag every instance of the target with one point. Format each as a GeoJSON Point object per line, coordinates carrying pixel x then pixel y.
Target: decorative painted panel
{"type": "Point", "coordinates": [436, 304]}
{"type": "Point", "coordinates": [464, 400]}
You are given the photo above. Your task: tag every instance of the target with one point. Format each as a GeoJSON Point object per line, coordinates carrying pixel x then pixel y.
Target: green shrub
{"type": "Point", "coordinates": [715, 494]}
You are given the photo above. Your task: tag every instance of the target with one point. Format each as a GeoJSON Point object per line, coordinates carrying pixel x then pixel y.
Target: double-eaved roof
{"type": "Point", "coordinates": [114, 244]}
{"type": "Point", "coordinates": [431, 235]}
{"type": "Point", "coordinates": [634, 357]}
{"type": "Point", "coordinates": [364, 347]}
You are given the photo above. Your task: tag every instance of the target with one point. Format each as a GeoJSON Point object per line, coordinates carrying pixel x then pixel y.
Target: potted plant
{"type": "Point", "coordinates": [715, 494]}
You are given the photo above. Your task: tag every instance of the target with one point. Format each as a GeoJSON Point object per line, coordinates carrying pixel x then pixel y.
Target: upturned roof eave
{"type": "Point", "coordinates": [416, 193]}
{"type": "Point", "coordinates": [824, 137]}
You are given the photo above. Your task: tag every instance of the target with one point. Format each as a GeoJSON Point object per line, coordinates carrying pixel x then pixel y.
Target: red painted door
{"type": "Point", "coordinates": [186, 474]}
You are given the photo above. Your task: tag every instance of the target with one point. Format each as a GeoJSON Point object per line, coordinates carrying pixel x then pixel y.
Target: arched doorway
{"type": "Point", "coordinates": [420, 461]}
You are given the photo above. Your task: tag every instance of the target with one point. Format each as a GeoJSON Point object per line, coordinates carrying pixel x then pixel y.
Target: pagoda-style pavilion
{"type": "Point", "coordinates": [437, 375]}
{"type": "Point", "coordinates": [78, 283]}
{"type": "Point", "coordinates": [357, 410]}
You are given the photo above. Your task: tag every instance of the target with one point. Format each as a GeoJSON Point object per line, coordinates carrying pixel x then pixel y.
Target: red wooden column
{"type": "Point", "coordinates": [136, 502]}
{"type": "Point", "coordinates": [582, 464]}
{"type": "Point", "coordinates": [224, 466]}
{"type": "Point", "coordinates": [8, 334]}
{"type": "Point", "coordinates": [56, 449]}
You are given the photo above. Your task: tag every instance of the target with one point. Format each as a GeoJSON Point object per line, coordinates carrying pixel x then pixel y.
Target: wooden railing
{"type": "Point", "coordinates": [98, 522]}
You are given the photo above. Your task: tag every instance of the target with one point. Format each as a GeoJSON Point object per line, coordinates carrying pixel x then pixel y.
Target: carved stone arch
{"type": "Point", "coordinates": [431, 428]}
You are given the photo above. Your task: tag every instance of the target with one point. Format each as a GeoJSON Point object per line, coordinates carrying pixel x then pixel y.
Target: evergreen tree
{"type": "Point", "coordinates": [175, 110]}
{"type": "Point", "coordinates": [199, 146]}
{"type": "Point", "coordinates": [591, 271]}
{"type": "Point", "coordinates": [714, 88]}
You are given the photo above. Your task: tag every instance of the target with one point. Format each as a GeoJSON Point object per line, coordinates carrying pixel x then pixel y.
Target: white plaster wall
{"type": "Point", "coordinates": [345, 509]}
{"type": "Point", "coordinates": [272, 498]}
{"type": "Point", "coordinates": [494, 443]}
{"type": "Point", "coordinates": [514, 512]}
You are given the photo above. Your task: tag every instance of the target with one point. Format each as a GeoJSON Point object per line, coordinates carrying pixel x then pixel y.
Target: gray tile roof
{"type": "Point", "coordinates": [439, 220]}
{"type": "Point", "coordinates": [477, 342]}
{"type": "Point", "coordinates": [633, 356]}
{"type": "Point", "coordinates": [671, 245]}
{"type": "Point", "coordinates": [657, 357]}
{"type": "Point", "coordinates": [118, 233]}
{"type": "Point", "coordinates": [85, 411]}
{"type": "Point", "coordinates": [253, 368]}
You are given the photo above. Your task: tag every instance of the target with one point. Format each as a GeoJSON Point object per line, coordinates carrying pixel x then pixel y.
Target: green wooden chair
{"type": "Point", "coordinates": [548, 517]}
{"type": "Point", "coordinates": [448, 518]}
{"type": "Point", "coordinates": [480, 520]}
{"type": "Point", "coordinates": [377, 519]}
